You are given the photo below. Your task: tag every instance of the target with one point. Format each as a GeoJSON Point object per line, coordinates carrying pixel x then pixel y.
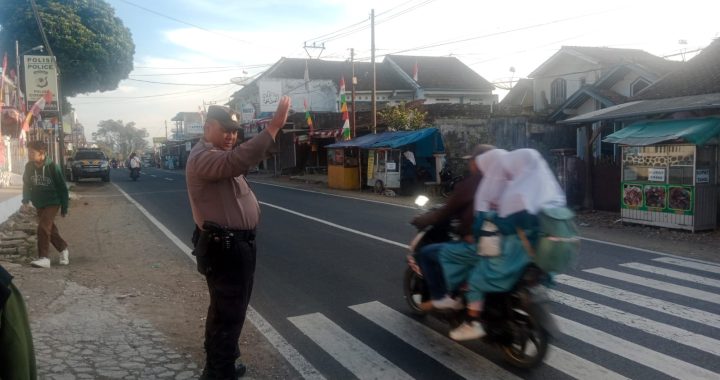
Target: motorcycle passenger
{"type": "Point", "coordinates": [459, 205]}
{"type": "Point", "coordinates": [135, 164]}
{"type": "Point", "coordinates": [515, 187]}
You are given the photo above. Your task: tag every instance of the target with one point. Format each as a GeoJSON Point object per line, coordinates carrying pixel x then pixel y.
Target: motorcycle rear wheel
{"type": "Point", "coordinates": [416, 291]}
{"type": "Point", "coordinates": [529, 340]}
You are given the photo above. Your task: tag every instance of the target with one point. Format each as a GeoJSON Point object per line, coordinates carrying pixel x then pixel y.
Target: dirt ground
{"type": "Point", "coordinates": [113, 247]}
{"type": "Point", "coordinates": [116, 249]}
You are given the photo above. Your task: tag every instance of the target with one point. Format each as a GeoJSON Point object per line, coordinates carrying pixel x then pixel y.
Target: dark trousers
{"type": "Point", "coordinates": [428, 257]}
{"type": "Point", "coordinates": [230, 282]}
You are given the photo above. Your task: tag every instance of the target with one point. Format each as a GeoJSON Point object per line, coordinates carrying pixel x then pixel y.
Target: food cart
{"type": "Point", "coordinates": [390, 158]}
{"type": "Point", "coordinates": [669, 173]}
{"type": "Point", "coordinates": [344, 168]}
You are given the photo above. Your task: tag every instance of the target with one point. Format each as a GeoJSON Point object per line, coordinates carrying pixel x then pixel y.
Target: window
{"type": "Point", "coordinates": [638, 86]}
{"type": "Point", "coordinates": [557, 91]}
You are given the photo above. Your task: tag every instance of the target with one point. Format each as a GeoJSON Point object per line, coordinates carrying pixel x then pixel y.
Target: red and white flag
{"type": "Point", "coordinates": [415, 72]}
{"type": "Point", "coordinates": [36, 108]}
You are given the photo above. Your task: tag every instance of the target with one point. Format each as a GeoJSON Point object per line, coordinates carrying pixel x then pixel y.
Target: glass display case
{"type": "Point", "coordinates": [669, 185]}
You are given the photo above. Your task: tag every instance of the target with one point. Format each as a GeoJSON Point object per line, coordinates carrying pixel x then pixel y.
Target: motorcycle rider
{"type": "Point", "coordinates": [135, 164]}
{"type": "Point", "coordinates": [515, 187]}
{"type": "Point", "coordinates": [459, 205]}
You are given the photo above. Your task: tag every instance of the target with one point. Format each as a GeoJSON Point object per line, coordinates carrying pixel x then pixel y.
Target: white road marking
{"type": "Point", "coordinates": [651, 303]}
{"type": "Point", "coordinates": [649, 326]}
{"type": "Point", "coordinates": [673, 274]}
{"type": "Point", "coordinates": [690, 264]}
{"type": "Point", "coordinates": [169, 179]}
{"type": "Point", "coordinates": [659, 285]}
{"type": "Point", "coordinates": [296, 360]}
{"type": "Point", "coordinates": [325, 222]}
{"type": "Point", "coordinates": [635, 352]}
{"type": "Point", "coordinates": [452, 355]}
{"type": "Point", "coordinates": [153, 175]}
{"type": "Point", "coordinates": [578, 367]}
{"type": "Point", "coordinates": [356, 356]}
{"type": "Point", "coordinates": [332, 195]}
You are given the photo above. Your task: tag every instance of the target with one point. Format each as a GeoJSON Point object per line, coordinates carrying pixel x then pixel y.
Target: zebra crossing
{"type": "Point", "coordinates": [668, 325]}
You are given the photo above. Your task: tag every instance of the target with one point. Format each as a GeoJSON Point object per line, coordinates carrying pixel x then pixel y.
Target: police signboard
{"type": "Point", "coordinates": [41, 76]}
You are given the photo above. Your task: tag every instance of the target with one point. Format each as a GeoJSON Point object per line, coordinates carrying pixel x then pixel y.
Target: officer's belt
{"type": "Point", "coordinates": [242, 235]}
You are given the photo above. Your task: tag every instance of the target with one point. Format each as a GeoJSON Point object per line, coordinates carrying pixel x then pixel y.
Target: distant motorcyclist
{"type": "Point", "coordinates": [135, 165]}
{"type": "Point", "coordinates": [459, 205]}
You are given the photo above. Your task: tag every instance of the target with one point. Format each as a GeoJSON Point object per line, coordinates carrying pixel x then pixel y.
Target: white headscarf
{"type": "Point", "coordinates": [532, 185]}
{"type": "Point", "coordinates": [494, 181]}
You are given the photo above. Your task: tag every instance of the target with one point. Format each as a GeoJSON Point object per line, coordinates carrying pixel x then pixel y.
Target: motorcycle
{"type": "Point", "coordinates": [448, 181]}
{"type": "Point", "coordinates": [135, 173]}
{"type": "Point", "coordinates": [517, 321]}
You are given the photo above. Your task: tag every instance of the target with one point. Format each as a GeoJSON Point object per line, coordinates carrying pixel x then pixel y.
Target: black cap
{"type": "Point", "coordinates": [227, 118]}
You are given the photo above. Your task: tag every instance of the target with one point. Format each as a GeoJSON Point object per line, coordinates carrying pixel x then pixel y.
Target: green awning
{"type": "Point", "coordinates": [694, 131]}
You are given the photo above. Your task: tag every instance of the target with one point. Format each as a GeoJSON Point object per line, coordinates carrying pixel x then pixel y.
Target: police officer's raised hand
{"type": "Point", "coordinates": [280, 117]}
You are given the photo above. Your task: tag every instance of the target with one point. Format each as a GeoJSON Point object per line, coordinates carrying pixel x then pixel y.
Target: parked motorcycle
{"type": "Point", "coordinates": [517, 321]}
{"type": "Point", "coordinates": [135, 173]}
{"type": "Point", "coordinates": [448, 181]}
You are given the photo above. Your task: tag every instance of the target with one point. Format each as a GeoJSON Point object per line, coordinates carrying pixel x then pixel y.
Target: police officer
{"type": "Point", "coordinates": [226, 213]}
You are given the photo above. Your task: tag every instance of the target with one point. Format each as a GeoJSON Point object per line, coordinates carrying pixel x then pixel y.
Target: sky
{"type": "Point", "coordinates": [193, 52]}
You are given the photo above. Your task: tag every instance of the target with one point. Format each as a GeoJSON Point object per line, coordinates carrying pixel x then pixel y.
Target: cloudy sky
{"type": "Point", "coordinates": [188, 51]}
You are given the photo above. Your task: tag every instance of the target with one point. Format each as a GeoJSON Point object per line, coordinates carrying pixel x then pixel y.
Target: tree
{"type": "Point", "coordinates": [400, 118]}
{"type": "Point", "coordinates": [121, 139]}
{"type": "Point", "coordinates": [94, 50]}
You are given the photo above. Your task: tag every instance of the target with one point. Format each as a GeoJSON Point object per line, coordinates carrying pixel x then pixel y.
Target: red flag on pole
{"type": "Point", "coordinates": [415, 72]}
{"type": "Point", "coordinates": [344, 111]}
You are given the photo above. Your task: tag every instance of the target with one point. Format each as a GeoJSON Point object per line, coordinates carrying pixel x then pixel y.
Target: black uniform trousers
{"type": "Point", "coordinates": [230, 281]}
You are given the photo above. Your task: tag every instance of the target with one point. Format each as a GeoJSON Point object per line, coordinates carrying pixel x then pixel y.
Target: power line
{"type": "Point", "coordinates": [362, 25]}
{"type": "Point", "coordinates": [492, 34]}
{"type": "Point", "coordinates": [184, 22]}
{"type": "Point", "coordinates": [157, 95]}
{"type": "Point", "coordinates": [178, 84]}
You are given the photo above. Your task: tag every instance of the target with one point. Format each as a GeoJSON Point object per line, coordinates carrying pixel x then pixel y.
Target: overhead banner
{"type": "Point", "coordinates": [41, 76]}
{"type": "Point", "coordinates": [270, 93]}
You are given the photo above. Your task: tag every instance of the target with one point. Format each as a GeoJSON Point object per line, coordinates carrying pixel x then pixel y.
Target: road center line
{"type": "Point", "coordinates": [306, 370]}
{"type": "Point", "coordinates": [335, 225]}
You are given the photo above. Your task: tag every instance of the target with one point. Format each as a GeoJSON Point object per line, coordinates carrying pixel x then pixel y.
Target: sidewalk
{"type": "Point", "coordinates": [129, 305]}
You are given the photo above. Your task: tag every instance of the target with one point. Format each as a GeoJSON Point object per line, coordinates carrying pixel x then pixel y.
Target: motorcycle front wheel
{"type": "Point", "coordinates": [529, 342]}
{"type": "Point", "coordinates": [416, 291]}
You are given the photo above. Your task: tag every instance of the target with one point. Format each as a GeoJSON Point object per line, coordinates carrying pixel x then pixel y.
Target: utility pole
{"type": "Point", "coordinates": [166, 136]}
{"type": "Point", "coordinates": [354, 81]}
{"type": "Point", "coordinates": [372, 60]}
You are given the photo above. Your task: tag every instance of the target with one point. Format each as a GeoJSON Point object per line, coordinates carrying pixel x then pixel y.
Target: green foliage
{"type": "Point", "coordinates": [93, 48]}
{"type": "Point", "coordinates": [121, 139]}
{"type": "Point", "coordinates": [400, 118]}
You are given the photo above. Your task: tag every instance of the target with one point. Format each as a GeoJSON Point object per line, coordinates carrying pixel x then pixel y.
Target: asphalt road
{"type": "Point", "coordinates": [328, 286]}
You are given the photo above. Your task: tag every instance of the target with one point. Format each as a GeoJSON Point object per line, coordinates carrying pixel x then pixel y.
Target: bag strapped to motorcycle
{"type": "Point", "coordinates": [558, 244]}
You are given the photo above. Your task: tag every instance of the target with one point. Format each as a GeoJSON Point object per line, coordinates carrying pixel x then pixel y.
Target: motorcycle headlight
{"type": "Point", "coordinates": [103, 164]}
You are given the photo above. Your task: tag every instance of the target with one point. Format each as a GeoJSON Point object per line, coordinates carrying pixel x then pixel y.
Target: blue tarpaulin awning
{"type": "Point", "coordinates": [694, 131]}
{"type": "Point", "coordinates": [427, 141]}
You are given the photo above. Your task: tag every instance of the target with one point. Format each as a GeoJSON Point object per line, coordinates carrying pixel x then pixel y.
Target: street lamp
{"type": "Point", "coordinates": [17, 66]}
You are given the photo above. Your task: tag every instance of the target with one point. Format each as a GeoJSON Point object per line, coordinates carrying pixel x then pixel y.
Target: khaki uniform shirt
{"type": "Point", "coordinates": [217, 186]}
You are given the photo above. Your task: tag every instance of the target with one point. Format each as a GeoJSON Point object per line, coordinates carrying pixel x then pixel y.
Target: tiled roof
{"type": "Point", "coordinates": [520, 94]}
{"type": "Point", "coordinates": [447, 73]}
{"type": "Point", "coordinates": [386, 78]}
{"type": "Point", "coordinates": [700, 75]}
{"type": "Point", "coordinates": [607, 57]}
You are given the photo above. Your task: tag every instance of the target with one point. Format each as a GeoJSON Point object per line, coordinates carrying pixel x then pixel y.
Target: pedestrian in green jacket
{"type": "Point", "coordinates": [17, 357]}
{"type": "Point", "coordinates": [43, 184]}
